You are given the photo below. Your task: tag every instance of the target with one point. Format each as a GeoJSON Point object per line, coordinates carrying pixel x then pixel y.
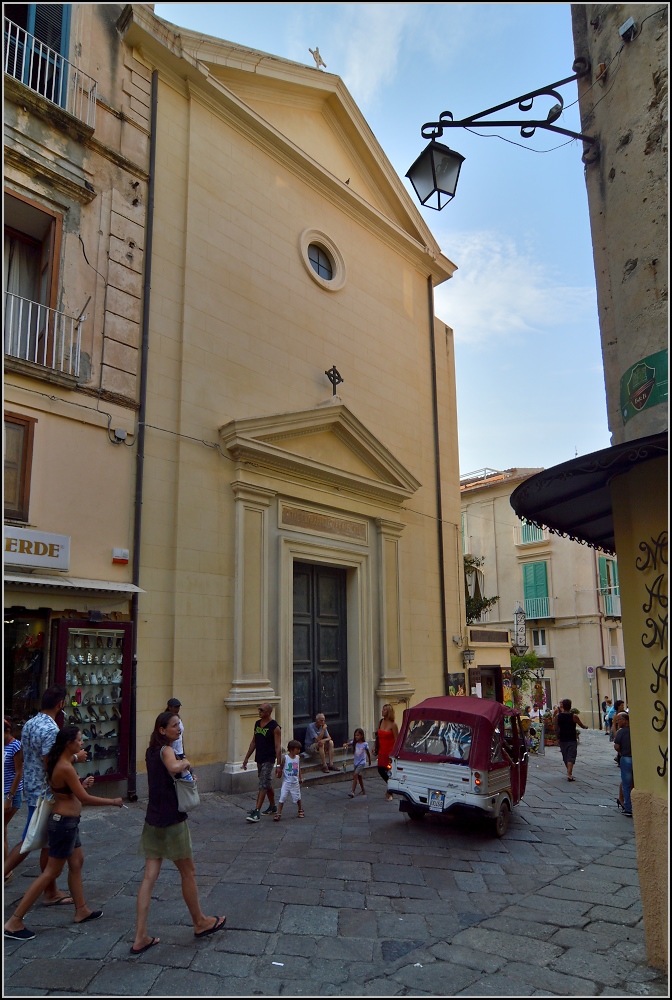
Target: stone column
{"type": "Point", "coordinates": [392, 685]}
{"type": "Point", "coordinates": [250, 685]}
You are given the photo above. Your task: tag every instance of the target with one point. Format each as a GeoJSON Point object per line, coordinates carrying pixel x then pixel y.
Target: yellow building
{"type": "Point", "coordinates": [300, 544]}
{"type": "Point", "coordinates": [569, 593]}
{"type": "Point", "coordinates": [76, 159]}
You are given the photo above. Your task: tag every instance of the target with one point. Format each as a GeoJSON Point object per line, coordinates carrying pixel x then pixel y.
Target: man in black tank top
{"type": "Point", "coordinates": [566, 722]}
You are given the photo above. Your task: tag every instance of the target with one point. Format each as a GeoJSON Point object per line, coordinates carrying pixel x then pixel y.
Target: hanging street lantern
{"type": "Point", "coordinates": [519, 631]}
{"type": "Point", "coordinates": [435, 174]}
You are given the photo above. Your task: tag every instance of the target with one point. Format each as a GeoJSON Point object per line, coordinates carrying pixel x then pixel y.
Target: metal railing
{"type": "Point", "coordinates": [49, 74]}
{"type": "Point", "coordinates": [42, 336]}
{"type": "Point", "coordinates": [526, 534]}
{"type": "Point", "coordinates": [611, 602]}
{"type": "Point", "coordinates": [539, 607]}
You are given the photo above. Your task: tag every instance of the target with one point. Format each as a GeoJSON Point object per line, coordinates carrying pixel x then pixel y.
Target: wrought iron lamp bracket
{"type": "Point", "coordinates": [581, 67]}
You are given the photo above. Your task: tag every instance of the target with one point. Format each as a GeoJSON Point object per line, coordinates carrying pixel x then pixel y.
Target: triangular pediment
{"type": "Point", "coordinates": [327, 445]}
{"type": "Point", "coordinates": [316, 113]}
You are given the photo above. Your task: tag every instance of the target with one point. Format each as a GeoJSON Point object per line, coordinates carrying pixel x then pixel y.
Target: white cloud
{"type": "Point", "coordinates": [502, 292]}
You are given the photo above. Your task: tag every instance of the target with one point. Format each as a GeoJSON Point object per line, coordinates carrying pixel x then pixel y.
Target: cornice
{"type": "Point", "coordinates": [55, 178]}
{"type": "Point", "coordinates": [250, 441]}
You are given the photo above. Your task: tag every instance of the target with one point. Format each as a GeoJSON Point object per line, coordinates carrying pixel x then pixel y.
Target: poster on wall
{"type": "Point", "coordinates": [507, 688]}
{"type": "Point", "coordinates": [456, 685]}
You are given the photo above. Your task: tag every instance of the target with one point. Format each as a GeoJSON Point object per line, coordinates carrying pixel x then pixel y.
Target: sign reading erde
{"type": "Point", "coordinates": [36, 549]}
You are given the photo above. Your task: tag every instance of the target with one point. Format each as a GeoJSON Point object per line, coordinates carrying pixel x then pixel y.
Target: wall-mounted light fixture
{"type": "Point", "coordinates": [435, 173]}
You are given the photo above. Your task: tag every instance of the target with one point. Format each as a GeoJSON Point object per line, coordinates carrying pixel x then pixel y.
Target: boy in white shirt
{"type": "Point", "coordinates": [292, 779]}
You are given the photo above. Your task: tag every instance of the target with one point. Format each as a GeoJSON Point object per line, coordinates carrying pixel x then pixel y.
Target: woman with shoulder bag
{"type": "Point", "coordinates": [166, 834]}
{"type": "Point", "coordinates": [63, 830]}
{"type": "Point", "coordinates": [386, 735]}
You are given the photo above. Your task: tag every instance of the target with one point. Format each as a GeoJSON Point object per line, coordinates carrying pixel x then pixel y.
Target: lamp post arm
{"type": "Point", "coordinates": [434, 130]}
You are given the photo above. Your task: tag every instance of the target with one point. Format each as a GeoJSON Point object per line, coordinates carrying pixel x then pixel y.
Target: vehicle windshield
{"type": "Point", "coordinates": [439, 739]}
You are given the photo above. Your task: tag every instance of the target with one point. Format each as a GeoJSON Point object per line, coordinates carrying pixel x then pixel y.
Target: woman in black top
{"type": "Point", "coordinates": [166, 834]}
{"type": "Point", "coordinates": [63, 831]}
{"type": "Point", "coordinates": [566, 722]}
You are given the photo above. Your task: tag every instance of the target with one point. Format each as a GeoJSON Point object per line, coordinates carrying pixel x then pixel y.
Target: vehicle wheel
{"type": "Point", "coordinates": [416, 814]}
{"type": "Point", "coordinates": [501, 823]}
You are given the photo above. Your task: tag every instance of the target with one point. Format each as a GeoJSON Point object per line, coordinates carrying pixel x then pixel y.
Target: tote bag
{"type": "Point", "coordinates": [187, 792]}
{"type": "Point", "coordinates": [36, 835]}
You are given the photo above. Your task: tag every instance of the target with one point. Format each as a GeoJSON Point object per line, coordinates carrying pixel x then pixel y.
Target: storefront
{"type": "Point", "coordinates": [76, 632]}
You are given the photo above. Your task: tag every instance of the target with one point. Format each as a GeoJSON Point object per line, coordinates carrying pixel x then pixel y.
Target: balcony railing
{"type": "Point", "coordinates": [611, 602]}
{"type": "Point", "coordinates": [49, 74]}
{"type": "Point", "coordinates": [539, 607]}
{"type": "Point", "coordinates": [41, 335]}
{"type": "Point", "coordinates": [527, 534]}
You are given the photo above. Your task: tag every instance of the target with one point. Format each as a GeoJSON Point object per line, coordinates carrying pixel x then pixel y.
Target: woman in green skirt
{"type": "Point", "coordinates": [166, 835]}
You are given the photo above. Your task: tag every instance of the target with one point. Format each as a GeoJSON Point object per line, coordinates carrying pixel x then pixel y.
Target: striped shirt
{"type": "Point", "coordinates": [9, 771]}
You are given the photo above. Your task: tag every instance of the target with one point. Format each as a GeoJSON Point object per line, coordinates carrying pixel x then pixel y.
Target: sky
{"type": "Point", "coordinates": [522, 303]}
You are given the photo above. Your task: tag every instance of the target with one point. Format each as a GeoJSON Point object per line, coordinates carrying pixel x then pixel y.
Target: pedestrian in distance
{"type": "Point", "coordinates": [165, 835]}
{"type": "Point", "coordinates": [566, 723]}
{"type": "Point", "coordinates": [386, 736]}
{"type": "Point", "coordinates": [292, 779]}
{"type": "Point", "coordinates": [617, 707]}
{"type": "Point", "coordinates": [174, 705]}
{"type": "Point", "coordinates": [605, 715]}
{"type": "Point", "coordinates": [362, 759]}
{"type": "Point", "coordinates": [13, 781]}
{"type": "Point", "coordinates": [37, 738]}
{"type": "Point", "coordinates": [265, 745]}
{"type": "Point", "coordinates": [63, 830]}
{"type": "Point", "coordinates": [624, 748]}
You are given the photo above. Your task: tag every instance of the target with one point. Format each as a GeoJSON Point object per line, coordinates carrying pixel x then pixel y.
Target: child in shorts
{"type": "Point", "coordinates": [362, 760]}
{"type": "Point", "coordinates": [292, 779]}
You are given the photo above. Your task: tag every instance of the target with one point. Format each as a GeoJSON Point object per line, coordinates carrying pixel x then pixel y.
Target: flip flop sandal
{"type": "Point", "coordinates": [302, 815]}
{"type": "Point", "coordinates": [94, 915]}
{"type": "Point", "coordinates": [61, 901]}
{"type": "Point", "coordinates": [139, 951]}
{"type": "Point", "coordinates": [215, 927]}
{"type": "Point", "coordinates": [277, 818]}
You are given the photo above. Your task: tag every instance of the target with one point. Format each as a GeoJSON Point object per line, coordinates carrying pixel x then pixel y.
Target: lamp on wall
{"type": "Point", "coordinates": [435, 173]}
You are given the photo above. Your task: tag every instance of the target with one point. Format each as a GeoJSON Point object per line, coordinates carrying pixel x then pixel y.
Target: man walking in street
{"type": "Point", "coordinates": [267, 749]}
{"type": "Point", "coordinates": [37, 738]}
{"type": "Point", "coordinates": [565, 725]}
{"type": "Point", "coordinates": [319, 741]}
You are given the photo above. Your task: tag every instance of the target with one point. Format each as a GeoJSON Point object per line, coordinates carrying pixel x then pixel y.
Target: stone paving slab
{"type": "Point", "coordinates": [358, 901]}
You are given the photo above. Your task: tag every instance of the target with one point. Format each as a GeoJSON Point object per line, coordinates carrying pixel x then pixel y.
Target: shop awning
{"type": "Point", "coordinates": [574, 499]}
{"type": "Point", "coordinates": [69, 583]}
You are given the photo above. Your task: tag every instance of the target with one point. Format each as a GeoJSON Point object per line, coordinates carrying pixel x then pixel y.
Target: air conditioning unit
{"type": "Point", "coordinates": [614, 660]}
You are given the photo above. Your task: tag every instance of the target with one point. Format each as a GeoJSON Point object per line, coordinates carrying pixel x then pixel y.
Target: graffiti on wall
{"type": "Point", "coordinates": [653, 562]}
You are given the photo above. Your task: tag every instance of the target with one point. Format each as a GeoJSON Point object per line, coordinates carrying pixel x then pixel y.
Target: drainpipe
{"type": "Point", "coordinates": [142, 415]}
{"type": "Point", "coordinates": [601, 627]}
{"type": "Point", "coordinates": [437, 463]}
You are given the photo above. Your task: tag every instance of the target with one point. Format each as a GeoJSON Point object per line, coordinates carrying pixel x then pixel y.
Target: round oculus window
{"type": "Point", "coordinates": [322, 259]}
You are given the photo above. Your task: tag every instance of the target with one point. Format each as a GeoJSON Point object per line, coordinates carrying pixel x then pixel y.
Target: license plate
{"type": "Point", "coordinates": [436, 800]}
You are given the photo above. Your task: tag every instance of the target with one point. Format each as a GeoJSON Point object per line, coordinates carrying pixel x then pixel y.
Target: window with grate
{"type": "Point", "coordinates": [320, 261]}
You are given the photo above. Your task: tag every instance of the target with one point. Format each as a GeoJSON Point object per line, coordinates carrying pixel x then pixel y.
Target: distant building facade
{"type": "Point", "coordinates": [570, 593]}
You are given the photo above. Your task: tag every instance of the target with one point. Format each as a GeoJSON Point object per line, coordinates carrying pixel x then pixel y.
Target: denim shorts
{"type": "Point", "coordinates": [63, 835]}
{"type": "Point", "coordinates": [17, 799]}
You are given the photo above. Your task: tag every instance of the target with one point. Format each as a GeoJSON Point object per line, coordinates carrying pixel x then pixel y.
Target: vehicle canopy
{"type": "Point", "coordinates": [452, 729]}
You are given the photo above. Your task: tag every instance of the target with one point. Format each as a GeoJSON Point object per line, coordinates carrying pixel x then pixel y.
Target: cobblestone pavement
{"type": "Point", "coordinates": [356, 900]}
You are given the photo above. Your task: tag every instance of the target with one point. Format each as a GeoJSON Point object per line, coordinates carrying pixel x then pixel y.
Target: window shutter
{"type": "Point", "coordinates": [49, 24]}
{"type": "Point", "coordinates": [535, 581]}
{"type": "Point", "coordinates": [614, 574]}
{"type": "Point", "coordinates": [604, 577]}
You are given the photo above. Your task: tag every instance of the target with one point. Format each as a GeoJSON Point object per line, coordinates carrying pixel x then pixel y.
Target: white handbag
{"type": "Point", "coordinates": [37, 836]}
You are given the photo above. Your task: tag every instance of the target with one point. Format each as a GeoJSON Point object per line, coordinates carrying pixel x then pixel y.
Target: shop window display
{"type": "Point", "coordinates": [24, 665]}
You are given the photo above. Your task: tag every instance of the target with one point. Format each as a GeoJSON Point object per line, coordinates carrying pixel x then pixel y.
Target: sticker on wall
{"type": "Point", "coordinates": [644, 384]}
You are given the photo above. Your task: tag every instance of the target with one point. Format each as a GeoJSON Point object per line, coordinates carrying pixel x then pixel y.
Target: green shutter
{"type": "Point", "coordinates": [535, 581]}
{"type": "Point", "coordinates": [604, 577]}
{"type": "Point", "coordinates": [614, 576]}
